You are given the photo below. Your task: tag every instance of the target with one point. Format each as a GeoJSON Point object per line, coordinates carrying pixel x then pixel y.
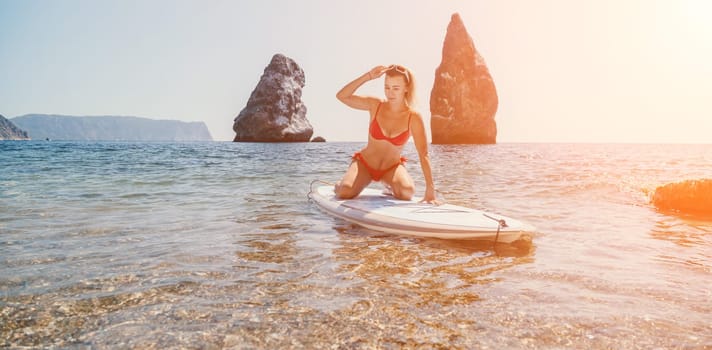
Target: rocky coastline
{"type": "Point", "coordinates": [9, 131]}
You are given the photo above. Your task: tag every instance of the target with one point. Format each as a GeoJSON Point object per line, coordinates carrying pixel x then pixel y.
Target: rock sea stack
{"type": "Point", "coordinates": [463, 102]}
{"type": "Point", "coordinates": [318, 139]}
{"type": "Point", "coordinates": [275, 111]}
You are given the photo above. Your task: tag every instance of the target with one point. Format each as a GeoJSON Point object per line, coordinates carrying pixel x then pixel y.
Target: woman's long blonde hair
{"type": "Point", "coordinates": [398, 70]}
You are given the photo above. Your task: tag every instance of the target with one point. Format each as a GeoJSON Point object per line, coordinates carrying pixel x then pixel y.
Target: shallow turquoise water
{"type": "Point", "coordinates": [216, 245]}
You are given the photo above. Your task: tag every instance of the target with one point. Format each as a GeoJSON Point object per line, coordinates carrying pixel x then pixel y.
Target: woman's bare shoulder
{"type": "Point", "coordinates": [373, 102]}
{"type": "Point", "coordinates": [415, 115]}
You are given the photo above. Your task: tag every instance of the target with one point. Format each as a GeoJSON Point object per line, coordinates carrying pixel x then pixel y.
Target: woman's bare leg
{"type": "Point", "coordinates": [400, 182]}
{"type": "Point", "coordinates": [353, 182]}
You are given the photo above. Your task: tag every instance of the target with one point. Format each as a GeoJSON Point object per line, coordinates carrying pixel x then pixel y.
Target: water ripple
{"type": "Point", "coordinates": [163, 245]}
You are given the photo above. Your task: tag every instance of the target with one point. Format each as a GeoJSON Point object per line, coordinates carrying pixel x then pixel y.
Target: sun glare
{"type": "Point", "coordinates": [697, 18]}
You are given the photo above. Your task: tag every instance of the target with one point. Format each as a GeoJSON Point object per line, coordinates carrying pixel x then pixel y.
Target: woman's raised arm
{"type": "Point", "coordinates": [346, 94]}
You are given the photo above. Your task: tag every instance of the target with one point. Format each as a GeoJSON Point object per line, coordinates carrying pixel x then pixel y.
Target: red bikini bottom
{"type": "Point", "coordinates": [376, 174]}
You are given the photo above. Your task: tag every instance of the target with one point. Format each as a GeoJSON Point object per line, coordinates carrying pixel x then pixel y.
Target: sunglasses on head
{"type": "Point", "coordinates": [401, 70]}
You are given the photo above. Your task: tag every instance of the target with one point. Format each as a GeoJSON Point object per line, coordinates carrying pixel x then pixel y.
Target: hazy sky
{"type": "Point", "coordinates": [565, 70]}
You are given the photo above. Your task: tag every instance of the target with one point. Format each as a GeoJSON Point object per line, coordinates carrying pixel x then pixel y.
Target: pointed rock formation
{"type": "Point", "coordinates": [8, 131]}
{"type": "Point", "coordinates": [275, 112]}
{"type": "Point", "coordinates": [463, 101]}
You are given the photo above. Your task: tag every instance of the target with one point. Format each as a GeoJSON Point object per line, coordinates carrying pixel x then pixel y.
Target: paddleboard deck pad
{"type": "Point", "coordinates": [380, 212]}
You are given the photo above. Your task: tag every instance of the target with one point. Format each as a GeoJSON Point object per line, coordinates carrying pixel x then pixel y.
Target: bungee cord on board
{"type": "Point", "coordinates": [311, 186]}
{"type": "Point", "coordinates": [501, 223]}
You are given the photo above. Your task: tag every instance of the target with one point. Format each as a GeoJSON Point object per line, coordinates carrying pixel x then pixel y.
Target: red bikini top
{"type": "Point", "coordinates": [377, 133]}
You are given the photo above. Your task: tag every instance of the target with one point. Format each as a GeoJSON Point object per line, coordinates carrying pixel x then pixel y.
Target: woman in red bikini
{"type": "Point", "coordinates": [392, 123]}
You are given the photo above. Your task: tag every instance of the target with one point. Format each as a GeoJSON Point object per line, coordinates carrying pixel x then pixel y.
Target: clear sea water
{"type": "Point", "coordinates": [215, 245]}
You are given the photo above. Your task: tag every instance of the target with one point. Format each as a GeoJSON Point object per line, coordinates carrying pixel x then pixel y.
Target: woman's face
{"type": "Point", "coordinates": [395, 88]}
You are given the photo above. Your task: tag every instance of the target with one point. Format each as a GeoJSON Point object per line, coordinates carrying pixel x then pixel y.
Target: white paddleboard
{"type": "Point", "coordinates": [376, 211]}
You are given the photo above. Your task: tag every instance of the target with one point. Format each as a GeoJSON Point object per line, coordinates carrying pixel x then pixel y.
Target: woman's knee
{"type": "Point", "coordinates": [404, 191]}
{"type": "Point", "coordinates": [345, 191]}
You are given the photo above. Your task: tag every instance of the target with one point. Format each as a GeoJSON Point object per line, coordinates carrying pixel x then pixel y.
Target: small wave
{"type": "Point", "coordinates": [134, 195]}
{"type": "Point", "coordinates": [91, 195]}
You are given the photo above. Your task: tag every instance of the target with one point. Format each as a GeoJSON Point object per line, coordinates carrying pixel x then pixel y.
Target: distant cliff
{"type": "Point", "coordinates": [110, 128]}
{"type": "Point", "coordinates": [8, 131]}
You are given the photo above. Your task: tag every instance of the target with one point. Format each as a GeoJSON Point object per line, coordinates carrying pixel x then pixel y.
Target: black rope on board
{"type": "Point", "coordinates": [500, 224]}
